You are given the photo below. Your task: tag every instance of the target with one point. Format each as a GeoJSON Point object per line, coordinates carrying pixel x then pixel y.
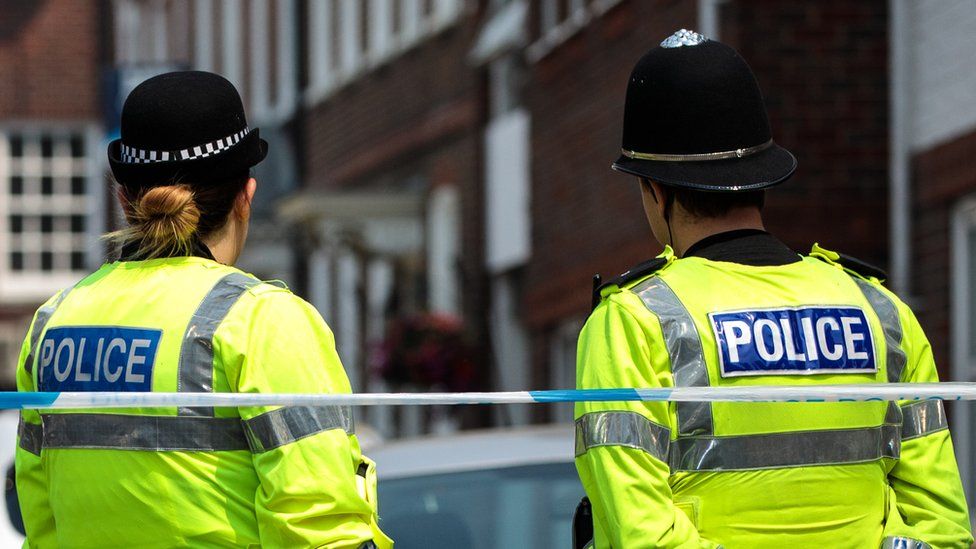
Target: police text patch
{"type": "Point", "coordinates": [792, 341]}
{"type": "Point", "coordinates": [104, 358]}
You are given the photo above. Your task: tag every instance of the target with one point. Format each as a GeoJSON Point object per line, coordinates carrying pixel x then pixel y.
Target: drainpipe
{"type": "Point", "coordinates": [708, 18]}
{"type": "Point", "coordinates": [900, 242]}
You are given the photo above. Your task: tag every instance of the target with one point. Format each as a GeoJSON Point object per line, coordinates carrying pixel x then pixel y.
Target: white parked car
{"type": "Point", "coordinates": [480, 489]}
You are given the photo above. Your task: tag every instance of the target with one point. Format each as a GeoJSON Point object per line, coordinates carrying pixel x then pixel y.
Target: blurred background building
{"type": "Point", "coordinates": [439, 185]}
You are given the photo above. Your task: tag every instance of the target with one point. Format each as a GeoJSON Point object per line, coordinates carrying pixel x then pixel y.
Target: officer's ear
{"type": "Point", "coordinates": [242, 205]}
{"type": "Point", "coordinates": [663, 197]}
{"type": "Point", "coordinates": [646, 185]}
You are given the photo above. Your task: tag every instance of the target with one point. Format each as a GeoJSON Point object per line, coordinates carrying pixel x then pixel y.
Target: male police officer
{"type": "Point", "coordinates": [727, 304]}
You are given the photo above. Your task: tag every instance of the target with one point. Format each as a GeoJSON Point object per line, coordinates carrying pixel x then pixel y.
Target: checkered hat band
{"type": "Point", "coordinates": [132, 155]}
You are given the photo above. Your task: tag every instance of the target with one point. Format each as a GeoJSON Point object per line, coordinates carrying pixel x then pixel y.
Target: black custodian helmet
{"type": "Point", "coordinates": [695, 118]}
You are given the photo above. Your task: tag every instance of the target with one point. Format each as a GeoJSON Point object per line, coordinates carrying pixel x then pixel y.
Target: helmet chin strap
{"type": "Point", "coordinates": [668, 202]}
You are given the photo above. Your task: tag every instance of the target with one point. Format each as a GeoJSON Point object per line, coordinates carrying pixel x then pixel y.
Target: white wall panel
{"type": "Point", "coordinates": [944, 70]}
{"type": "Point", "coordinates": [507, 191]}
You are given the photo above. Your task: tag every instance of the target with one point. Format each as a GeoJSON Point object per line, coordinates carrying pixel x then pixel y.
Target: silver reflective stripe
{"type": "Point", "coordinates": [797, 449]}
{"type": "Point", "coordinates": [628, 429]}
{"type": "Point", "coordinates": [29, 435]}
{"type": "Point", "coordinates": [124, 432]}
{"type": "Point", "coordinates": [685, 350]}
{"type": "Point", "coordinates": [40, 322]}
{"type": "Point", "coordinates": [893, 542]}
{"type": "Point", "coordinates": [286, 425]}
{"type": "Point", "coordinates": [923, 418]}
{"type": "Point", "coordinates": [197, 354]}
{"type": "Point", "coordinates": [887, 313]}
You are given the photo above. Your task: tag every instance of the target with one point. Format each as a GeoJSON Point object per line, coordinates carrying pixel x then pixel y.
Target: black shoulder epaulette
{"type": "Point", "coordinates": [637, 271]}
{"type": "Point", "coordinates": [856, 265]}
{"type": "Point", "coordinates": [861, 267]}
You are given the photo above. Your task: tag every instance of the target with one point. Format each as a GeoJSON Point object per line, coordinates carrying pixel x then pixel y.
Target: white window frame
{"type": "Point", "coordinates": [32, 284]}
{"type": "Point", "coordinates": [380, 29]}
{"type": "Point", "coordinates": [203, 51]}
{"type": "Point", "coordinates": [962, 286]}
{"type": "Point", "coordinates": [287, 84]}
{"type": "Point", "coordinates": [260, 99]}
{"type": "Point", "coordinates": [321, 72]}
{"type": "Point", "coordinates": [381, 48]}
{"type": "Point", "coordinates": [263, 109]}
{"type": "Point", "coordinates": [410, 20]}
{"type": "Point", "coordinates": [350, 41]}
{"type": "Point", "coordinates": [443, 249]}
{"type": "Point", "coordinates": [446, 12]}
{"type": "Point", "coordinates": [231, 43]}
{"type": "Point", "coordinates": [554, 31]}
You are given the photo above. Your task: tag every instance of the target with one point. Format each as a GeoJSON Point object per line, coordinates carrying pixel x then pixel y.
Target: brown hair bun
{"type": "Point", "coordinates": [163, 220]}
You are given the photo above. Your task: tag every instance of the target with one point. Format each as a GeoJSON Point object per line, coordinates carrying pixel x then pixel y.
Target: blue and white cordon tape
{"type": "Point", "coordinates": [786, 393]}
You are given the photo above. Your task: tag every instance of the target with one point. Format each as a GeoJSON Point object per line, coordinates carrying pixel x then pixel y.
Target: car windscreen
{"type": "Point", "coordinates": [524, 506]}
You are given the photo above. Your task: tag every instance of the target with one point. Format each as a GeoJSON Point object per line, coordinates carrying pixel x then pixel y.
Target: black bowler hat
{"type": "Point", "coordinates": [183, 126]}
{"type": "Point", "coordinates": [695, 118]}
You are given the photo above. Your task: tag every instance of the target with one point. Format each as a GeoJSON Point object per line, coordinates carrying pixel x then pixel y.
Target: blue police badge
{"type": "Point", "coordinates": [794, 341]}
{"type": "Point", "coordinates": [97, 358]}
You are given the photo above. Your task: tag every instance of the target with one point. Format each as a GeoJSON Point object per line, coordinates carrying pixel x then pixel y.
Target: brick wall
{"type": "Point", "coordinates": [585, 217]}
{"type": "Point", "coordinates": [822, 67]}
{"type": "Point", "coordinates": [381, 122]}
{"type": "Point", "coordinates": [941, 177]}
{"type": "Point", "coordinates": [49, 60]}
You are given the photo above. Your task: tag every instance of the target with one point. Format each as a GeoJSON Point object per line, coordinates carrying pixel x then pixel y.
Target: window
{"type": "Point", "coordinates": [348, 37]}
{"type": "Point", "coordinates": [963, 340]}
{"type": "Point", "coordinates": [46, 181]}
{"type": "Point", "coordinates": [559, 20]}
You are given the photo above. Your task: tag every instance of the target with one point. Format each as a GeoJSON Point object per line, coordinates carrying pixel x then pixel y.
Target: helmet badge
{"type": "Point", "coordinates": [683, 37]}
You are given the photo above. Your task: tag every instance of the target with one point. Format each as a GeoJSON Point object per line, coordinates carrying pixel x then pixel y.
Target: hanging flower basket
{"type": "Point", "coordinates": [427, 350]}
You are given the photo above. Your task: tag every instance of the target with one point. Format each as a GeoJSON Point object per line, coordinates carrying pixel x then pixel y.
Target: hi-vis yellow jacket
{"type": "Point", "coordinates": [188, 477]}
{"type": "Point", "coordinates": [763, 475]}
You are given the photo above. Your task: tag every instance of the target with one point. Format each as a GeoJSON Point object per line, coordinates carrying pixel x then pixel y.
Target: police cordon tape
{"type": "Point", "coordinates": [784, 393]}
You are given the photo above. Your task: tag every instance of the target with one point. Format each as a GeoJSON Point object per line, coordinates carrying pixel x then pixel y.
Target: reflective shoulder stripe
{"type": "Point", "coordinates": [622, 428]}
{"type": "Point", "coordinates": [887, 313]}
{"type": "Point", "coordinates": [923, 418]}
{"type": "Point", "coordinates": [29, 435]}
{"type": "Point", "coordinates": [44, 315]}
{"type": "Point", "coordinates": [780, 450]}
{"type": "Point", "coordinates": [898, 542]}
{"type": "Point", "coordinates": [283, 426]}
{"type": "Point", "coordinates": [685, 351]}
{"type": "Point", "coordinates": [154, 433]}
{"type": "Point", "coordinates": [197, 353]}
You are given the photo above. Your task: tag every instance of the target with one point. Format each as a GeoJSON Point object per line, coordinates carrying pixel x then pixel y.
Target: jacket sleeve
{"type": "Point", "coordinates": [31, 480]}
{"type": "Point", "coordinates": [927, 499]}
{"type": "Point", "coordinates": [621, 447]}
{"type": "Point", "coordinates": [313, 488]}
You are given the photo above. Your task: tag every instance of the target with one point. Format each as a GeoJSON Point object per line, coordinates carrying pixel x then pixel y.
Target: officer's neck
{"type": "Point", "coordinates": [226, 245]}
{"type": "Point", "coordinates": [686, 229]}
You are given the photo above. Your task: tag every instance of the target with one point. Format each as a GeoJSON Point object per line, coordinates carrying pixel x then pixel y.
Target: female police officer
{"type": "Point", "coordinates": [174, 315]}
